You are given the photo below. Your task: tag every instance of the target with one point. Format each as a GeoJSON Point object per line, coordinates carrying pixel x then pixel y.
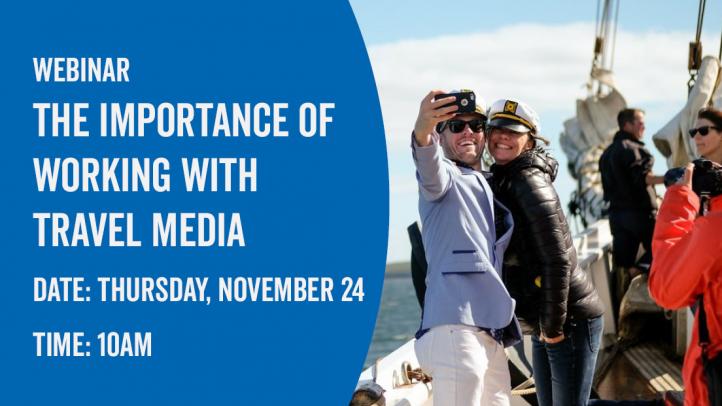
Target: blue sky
{"type": "Point", "coordinates": [536, 51]}
{"type": "Point", "coordinates": [387, 21]}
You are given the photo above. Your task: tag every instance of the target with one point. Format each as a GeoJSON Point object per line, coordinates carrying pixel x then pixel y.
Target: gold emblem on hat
{"type": "Point", "coordinates": [510, 106]}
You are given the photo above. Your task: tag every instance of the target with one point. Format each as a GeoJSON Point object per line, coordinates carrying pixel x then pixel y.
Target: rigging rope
{"type": "Point", "coordinates": [604, 42]}
{"type": "Point", "coordinates": [700, 18]}
{"type": "Point", "coordinates": [614, 37]}
{"type": "Point", "coordinates": [596, 21]}
{"type": "Point", "coordinates": [695, 48]}
{"type": "Point", "coordinates": [603, 30]}
{"type": "Point", "coordinates": [598, 39]}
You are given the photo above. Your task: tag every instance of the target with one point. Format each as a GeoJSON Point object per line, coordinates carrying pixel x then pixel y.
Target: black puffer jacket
{"type": "Point", "coordinates": [540, 265]}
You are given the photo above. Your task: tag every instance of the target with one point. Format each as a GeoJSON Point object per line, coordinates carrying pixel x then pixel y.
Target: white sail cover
{"type": "Point", "coordinates": [672, 140]}
{"type": "Point", "coordinates": [584, 139]}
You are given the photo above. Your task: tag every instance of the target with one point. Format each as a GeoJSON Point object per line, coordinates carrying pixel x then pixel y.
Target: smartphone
{"type": "Point", "coordinates": [466, 100]}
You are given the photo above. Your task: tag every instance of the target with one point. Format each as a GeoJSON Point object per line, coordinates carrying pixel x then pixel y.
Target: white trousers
{"type": "Point", "coordinates": [468, 367]}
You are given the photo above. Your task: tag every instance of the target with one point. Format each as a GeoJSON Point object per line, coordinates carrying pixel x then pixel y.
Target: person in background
{"type": "Point", "coordinates": [688, 261]}
{"type": "Point", "coordinates": [708, 134]}
{"type": "Point", "coordinates": [628, 183]}
{"type": "Point", "coordinates": [468, 315]}
{"type": "Point", "coordinates": [556, 302]}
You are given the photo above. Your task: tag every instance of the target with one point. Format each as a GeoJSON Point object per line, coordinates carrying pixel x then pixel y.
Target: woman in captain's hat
{"type": "Point", "coordinates": [556, 302]}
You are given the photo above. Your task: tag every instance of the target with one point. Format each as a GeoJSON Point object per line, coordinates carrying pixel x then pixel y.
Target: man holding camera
{"type": "Point", "coordinates": [628, 182]}
{"type": "Point", "coordinates": [468, 315]}
{"type": "Point", "coordinates": [688, 268]}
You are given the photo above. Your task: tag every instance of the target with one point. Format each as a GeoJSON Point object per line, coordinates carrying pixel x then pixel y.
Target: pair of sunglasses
{"type": "Point", "coordinates": [703, 131]}
{"type": "Point", "coordinates": [456, 126]}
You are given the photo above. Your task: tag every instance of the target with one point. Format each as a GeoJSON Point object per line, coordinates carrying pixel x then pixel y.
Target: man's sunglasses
{"type": "Point", "coordinates": [456, 126]}
{"type": "Point", "coordinates": [703, 131]}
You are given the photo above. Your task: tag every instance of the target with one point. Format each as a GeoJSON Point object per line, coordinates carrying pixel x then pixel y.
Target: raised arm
{"type": "Point", "coordinates": [431, 169]}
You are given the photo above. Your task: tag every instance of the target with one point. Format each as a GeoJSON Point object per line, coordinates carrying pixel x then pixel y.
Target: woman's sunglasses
{"type": "Point", "coordinates": [703, 131]}
{"type": "Point", "coordinates": [456, 126]}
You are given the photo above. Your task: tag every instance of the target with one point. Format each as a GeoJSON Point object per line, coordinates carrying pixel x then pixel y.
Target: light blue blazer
{"type": "Point", "coordinates": [463, 281]}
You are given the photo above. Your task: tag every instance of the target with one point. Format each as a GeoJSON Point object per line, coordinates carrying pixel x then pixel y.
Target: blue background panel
{"type": "Point", "coordinates": [321, 208]}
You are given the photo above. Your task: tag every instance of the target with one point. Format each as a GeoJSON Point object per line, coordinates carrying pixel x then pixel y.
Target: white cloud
{"type": "Point", "coordinates": [545, 65]}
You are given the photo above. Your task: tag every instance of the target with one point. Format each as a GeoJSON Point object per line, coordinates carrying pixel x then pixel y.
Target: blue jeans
{"type": "Point", "coordinates": [563, 372]}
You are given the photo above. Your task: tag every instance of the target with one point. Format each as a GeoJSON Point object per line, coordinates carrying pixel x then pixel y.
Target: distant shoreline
{"type": "Point", "coordinates": [398, 268]}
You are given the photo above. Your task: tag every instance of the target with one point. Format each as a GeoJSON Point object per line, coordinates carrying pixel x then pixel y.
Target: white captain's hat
{"type": "Point", "coordinates": [513, 115]}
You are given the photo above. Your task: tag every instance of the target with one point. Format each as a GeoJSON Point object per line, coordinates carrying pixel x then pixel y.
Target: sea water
{"type": "Point", "coordinates": [398, 319]}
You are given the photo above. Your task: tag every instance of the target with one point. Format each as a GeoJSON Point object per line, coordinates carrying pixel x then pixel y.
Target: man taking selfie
{"type": "Point", "coordinates": [468, 314]}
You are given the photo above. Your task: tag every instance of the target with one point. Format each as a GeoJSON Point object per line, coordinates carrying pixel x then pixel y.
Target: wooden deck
{"type": "Point", "coordinates": [641, 372]}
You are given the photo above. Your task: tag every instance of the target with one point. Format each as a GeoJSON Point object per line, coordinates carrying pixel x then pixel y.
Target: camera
{"type": "Point", "coordinates": [706, 179]}
{"type": "Point", "coordinates": [465, 99]}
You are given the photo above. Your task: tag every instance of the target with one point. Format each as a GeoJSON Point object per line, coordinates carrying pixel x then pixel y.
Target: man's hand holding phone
{"type": "Point", "coordinates": [432, 111]}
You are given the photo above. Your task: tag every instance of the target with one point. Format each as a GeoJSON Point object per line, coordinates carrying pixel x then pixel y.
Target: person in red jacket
{"type": "Point", "coordinates": [687, 263]}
